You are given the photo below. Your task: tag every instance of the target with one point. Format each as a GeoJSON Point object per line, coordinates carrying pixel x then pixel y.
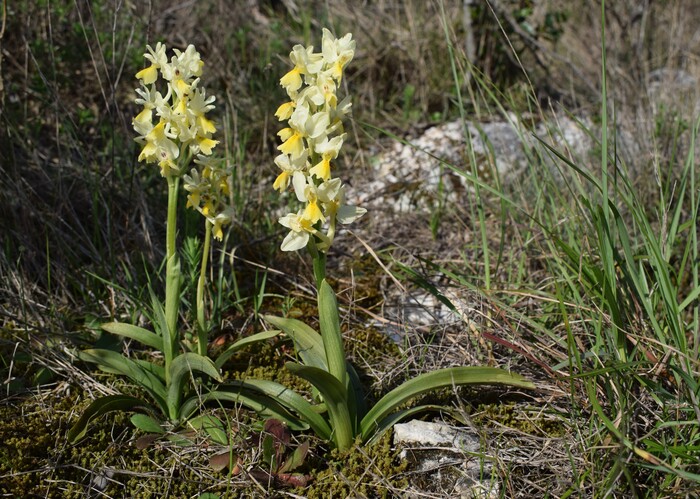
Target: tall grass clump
{"type": "Point", "coordinates": [630, 267]}
{"type": "Point", "coordinates": [609, 263]}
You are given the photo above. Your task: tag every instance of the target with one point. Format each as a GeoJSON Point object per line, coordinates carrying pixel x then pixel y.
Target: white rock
{"type": "Point", "coordinates": [446, 460]}
{"type": "Point", "coordinates": [416, 309]}
{"type": "Point", "coordinates": [426, 433]}
{"type": "Point", "coordinates": [415, 175]}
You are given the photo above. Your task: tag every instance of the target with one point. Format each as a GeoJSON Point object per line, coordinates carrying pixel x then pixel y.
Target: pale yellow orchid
{"type": "Point", "coordinates": [312, 140]}
{"type": "Point", "coordinates": [220, 220]}
{"type": "Point", "coordinates": [305, 62]}
{"type": "Point", "coordinates": [159, 145]}
{"type": "Point", "coordinates": [300, 230]}
{"type": "Point", "coordinates": [158, 60]}
{"type": "Point", "coordinates": [306, 192]}
{"type": "Point", "coordinates": [337, 52]}
{"type": "Point", "coordinates": [328, 149]}
{"type": "Point", "coordinates": [284, 112]}
{"type": "Point", "coordinates": [181, 112]}
{"type": "Point", "coordinates": [289, 166]}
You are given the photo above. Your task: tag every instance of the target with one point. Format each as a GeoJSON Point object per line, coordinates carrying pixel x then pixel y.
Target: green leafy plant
{"type": "Point", "coordinates": [312, 139]}
{"type": "Point", "coordinates": [181, 132]}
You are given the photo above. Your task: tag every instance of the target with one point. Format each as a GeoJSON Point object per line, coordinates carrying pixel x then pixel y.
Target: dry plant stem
{"type": "Point", "coordinates": [201, 325]}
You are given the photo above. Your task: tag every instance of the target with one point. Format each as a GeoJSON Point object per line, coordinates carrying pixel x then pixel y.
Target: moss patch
{"type": "Point", "coordinates": [516, 416]}
{"type": "Point", "coordinates": [370, 471]}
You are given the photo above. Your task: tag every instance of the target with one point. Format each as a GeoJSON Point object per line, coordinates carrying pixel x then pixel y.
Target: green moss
{"type": "Point", "coordinates": [369, 471]}
{"type": "Point", "coordinates": [371, 344]}
{"type": "Point", "coordinates": [36, 460]}
{"type": "Point", "coordinates": [516, 416]}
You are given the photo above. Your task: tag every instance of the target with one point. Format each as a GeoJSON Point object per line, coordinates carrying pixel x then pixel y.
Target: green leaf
{"type": "Point", "coordinates": [265, 406]}
{"type": "Point", "coordinates": [308, 343]}
{"type": "Point", "coordinates": [330, 332]}
{"type": "Point", "coordinates": [212, 426]}
{"type": "Point", "coordinates": [336, 396]}
{"type": "Point", "coordinates": [139, 334]}
{"type": "Point", "coordinates": [356, 394]}
{"type": "Point", "coordinates": [146, 423]}
{"type": "Point", "coordinates": [289, 399]}
{"type": "Point", "coordinates": [182, 439]}
{"type": "Point", "coordinates": [296, 459]}
{"type": "Point", "coordinates": [154, 369]}
{"type": "Point", "coordinates": [161, 324]}
{"type": "Point", "coordinates": [117, 363]}
{"type": "Point", "coordinates": [42, 376]}
{"type": "Point", "coordinates": [243, 342]}
{"type": "Point", "coordinates": [98, 408]}
{"type": "Point", "coordinates": [172, 301]}
{"type": "Point", "coordinates": [181, 368]}
{"type": "Point", "coordinates": [443, 378]}
{"type": "Point", "coordinates": [269, 455]}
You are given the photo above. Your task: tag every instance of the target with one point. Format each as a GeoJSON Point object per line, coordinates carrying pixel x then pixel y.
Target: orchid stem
{"type": "Point", "coordinates": [172, 279]}
{"type": "Point", "coordinates": [201, 324]}
{"type": "Point", "coordinates": [319, 263]}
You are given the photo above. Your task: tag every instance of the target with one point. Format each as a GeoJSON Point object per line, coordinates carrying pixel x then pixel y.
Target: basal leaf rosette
{"type": "Point", "coordinates": [312, 140]}
{"type": "Point", "coordinates": [173, 122]}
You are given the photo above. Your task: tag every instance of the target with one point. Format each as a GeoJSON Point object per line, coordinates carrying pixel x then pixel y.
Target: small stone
{"type": "Point", "coordinates": [445, 459]}
{"type": "Point", "coordinates": [434, 434]}
{"type": "Point", "coordinates": [101, 480]}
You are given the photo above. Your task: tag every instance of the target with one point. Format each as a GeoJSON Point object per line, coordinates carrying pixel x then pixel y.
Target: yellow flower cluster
{"type": "Point", "coordinates": [209, 189]}
{"type": "Point", "coordinates": [312, 140]}
{"type": "Point", "coordinates": [175, 123]}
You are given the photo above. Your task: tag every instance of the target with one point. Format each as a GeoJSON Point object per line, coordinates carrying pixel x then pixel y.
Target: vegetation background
{"type": "Point", "coordinates": [583, 276]}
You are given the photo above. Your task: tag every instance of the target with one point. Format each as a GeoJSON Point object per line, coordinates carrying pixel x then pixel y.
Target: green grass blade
{"type": "Point", "coordinates": [139, 334]}
{"type": "Point", "coordinates": [645, 455]}
{"type": "Point", "coordinates": [692, 296]}
{"type": "Point", "coordinates": [443, 378]}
